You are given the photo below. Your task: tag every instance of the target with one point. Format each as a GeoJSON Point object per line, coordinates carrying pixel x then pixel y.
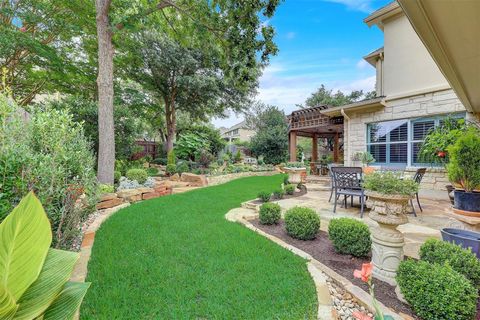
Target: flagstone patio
{"type": "Point", "coordinates": [427, 224]}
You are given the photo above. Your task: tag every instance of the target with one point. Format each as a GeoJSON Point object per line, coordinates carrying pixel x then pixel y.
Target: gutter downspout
{"type": "Point", "coordinates": [348, 137]}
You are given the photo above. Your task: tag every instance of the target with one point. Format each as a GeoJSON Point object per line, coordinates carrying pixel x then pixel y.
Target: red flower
{"type": "Point", "coordinates": [360, 316]}
{"type": "Point", "coordinates": [23, 29]}
{"type": "Point", "coordinates": [365, 273]}
{"type": "Point", "coordinates": [441, 154]}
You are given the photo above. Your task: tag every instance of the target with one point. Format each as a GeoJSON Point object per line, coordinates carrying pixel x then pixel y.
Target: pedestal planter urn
{"type": "Point", "coordinates": [387, 242]}
{"type": "Point", "coordinates": [296, 175]}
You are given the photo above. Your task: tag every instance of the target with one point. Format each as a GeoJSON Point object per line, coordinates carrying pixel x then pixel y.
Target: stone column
{"type": "Point", "coordinates": [387, 242]}
{"type": "Point", "coordinates": [293, 146]}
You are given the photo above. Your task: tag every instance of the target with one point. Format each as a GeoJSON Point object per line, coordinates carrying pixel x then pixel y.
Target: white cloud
{"type": "Point", "coordinates": [291, 35]}
{"type": "Point", "coordinates": [357, 5]}
{"type": "Point", "coordinates": [365, 84]}
{"type": "Point", "coordinates": [362, 64]}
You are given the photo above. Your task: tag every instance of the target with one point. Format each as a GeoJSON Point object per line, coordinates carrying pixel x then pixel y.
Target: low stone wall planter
{"type": "Point", "coordinates": [216, 180]}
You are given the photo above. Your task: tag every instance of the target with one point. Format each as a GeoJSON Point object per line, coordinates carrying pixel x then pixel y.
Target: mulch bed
{"type": "Point", "coordinates": [322, 249]}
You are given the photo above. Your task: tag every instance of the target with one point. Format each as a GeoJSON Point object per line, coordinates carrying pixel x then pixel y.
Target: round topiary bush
{"type": "Point", "coordinates": [302, 223]}
{"type": "Point", "coordinates": [269, 213]}
{"type": "Point", "coordinates": [137, 174]}
{"type": "Point", "coordinates": [350, 236]}
{"type": "Point", "coordinates": [437, 291]}
{"type": "Point", "coordinates": [290, 189]}
{"type": "Point", "coordinates": [264, 196]}
{"type": "Point", "coordinates": [463, 261]}
{"type": "Point", "coordinates": [279, 194]}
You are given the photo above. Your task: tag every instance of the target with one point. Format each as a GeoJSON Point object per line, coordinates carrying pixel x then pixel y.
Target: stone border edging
{"type": "Point", "coordinates": [224, 178]}
{"type": "Point", "coordinates": [316, 268]}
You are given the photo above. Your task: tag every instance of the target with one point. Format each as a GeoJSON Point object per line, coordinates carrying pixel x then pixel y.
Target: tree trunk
{"type": "Point", "coordinates": [106, 134]}
{"type": "Point", "coordinates": [171, 123]}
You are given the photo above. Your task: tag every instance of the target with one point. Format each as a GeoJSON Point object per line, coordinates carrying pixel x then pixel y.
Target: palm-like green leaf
{"type": "Point", "coordinates": [55, 273]}
{"type": "Point", "coordinates": [25, 237]}
{"type": "Point", "coordinates": [8, 307]}
{"type": "Point", "coordinates": [67, 302]}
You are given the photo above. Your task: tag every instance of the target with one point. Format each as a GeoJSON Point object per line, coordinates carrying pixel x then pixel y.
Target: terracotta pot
{"type": "Point", "coordinates": [368, 170]}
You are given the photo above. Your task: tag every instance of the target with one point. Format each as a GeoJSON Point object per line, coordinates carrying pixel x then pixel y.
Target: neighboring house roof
{"type": "Point", "coordinates": [372, 57]}
{"type": "Point", "coordinates": [241, 125]}
{"type": "Point", "coordinates": [358, 105]}
{"type": "Point", "coordinates": [449, 30]}
{"type": "Point", "coordinates": [383, 13]}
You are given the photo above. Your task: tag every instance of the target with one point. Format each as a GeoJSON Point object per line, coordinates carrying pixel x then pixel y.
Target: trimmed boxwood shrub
{"type": "Point", "coordinates": [137, 174]}
{"type": "Point", "coordinates": [264, 196]}
{"type": "Point", "coordinates": [350, 236]}
{"type": "Point", "coordinates": [290, 189]}
{"type": "Point", "coordinates": [437, 291]}
{"type": "Point", "coordinates": [279, 193]}
{"type": "Point", "coordinates": [463, 261]}
{"type": "Point", "coordinates": [302, 223]}
{"type": "Point", "coordinates": [269, 213]}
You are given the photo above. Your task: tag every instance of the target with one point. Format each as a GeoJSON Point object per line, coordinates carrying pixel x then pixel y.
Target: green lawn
{"type": "Point", "coordinates": [177, 257]}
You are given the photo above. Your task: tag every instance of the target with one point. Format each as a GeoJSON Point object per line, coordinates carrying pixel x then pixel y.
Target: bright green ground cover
{"type": "Point", "coordinates": [176, 257]}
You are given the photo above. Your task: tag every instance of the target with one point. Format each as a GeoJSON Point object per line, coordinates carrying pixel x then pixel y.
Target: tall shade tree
{"type": "Point", "coordinates": [323, 96]}
{"type": "Point", "coordinates": [41, 45]}
{"type": "Point", "coordinates": [234, 27]}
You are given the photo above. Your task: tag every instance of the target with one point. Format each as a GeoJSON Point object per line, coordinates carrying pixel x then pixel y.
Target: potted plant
{"type": "Point", "coordinates": [435, 147]}
{"type": "Point", "coordinates": [464, 171]}
{"type": "Point", "coordinates": [388, 198]}
{"type": "Point", "coordinates": [366, 159]}
{"type": "Point", "coordinates": [297, 172]}
{"type": "Point", "coordinates": [325, 161]}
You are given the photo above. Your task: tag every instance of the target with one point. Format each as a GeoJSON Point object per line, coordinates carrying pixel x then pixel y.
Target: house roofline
{"type": "Point", "coordinates": [372, 57]}
{"type": "Point", "coordinates": [378, 16]}
{"type": "Point", "coordinates": [358, 105]}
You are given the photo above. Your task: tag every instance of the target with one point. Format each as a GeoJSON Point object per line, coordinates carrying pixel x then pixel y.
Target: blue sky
{"type": "Point", "coordinates": [320, 41]}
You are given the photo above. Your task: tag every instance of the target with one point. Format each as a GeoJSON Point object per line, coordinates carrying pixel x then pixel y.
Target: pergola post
{"type": "Point", "coordinates": [314, 148]}
{"type": "Point", "coordinates": [292, 146]}
{"type": "Point", "coordinates": [335, 148]}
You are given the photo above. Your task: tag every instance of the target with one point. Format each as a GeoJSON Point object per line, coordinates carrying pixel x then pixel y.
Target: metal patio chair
{"type": "Point", "coordinates": [347, 181]}
{"type": "Point", "coordinates": [418, 179]}
{"type": "Point", "coordinates": [330, 166]}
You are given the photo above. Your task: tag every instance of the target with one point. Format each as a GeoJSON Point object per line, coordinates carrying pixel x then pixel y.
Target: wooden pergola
{"type": "Point", "coordinates": [312, 123]}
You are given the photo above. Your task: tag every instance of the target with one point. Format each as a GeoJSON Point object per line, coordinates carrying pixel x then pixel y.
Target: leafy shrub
{"type": "Point", "coordinates": [437, 291]}
{"type": "Point", "coordinates": [152, 171]}
{"type": "Point", "coordinates": [302, 223]}
{"type": "Point", "coordinates": [106, 188]}
{"type": "Point", "coordinates": [171, 159]}
{"type": "Point", "coordinates": [290, 189]}
{"type": "Point", "coordinates": [182, 167]}
{"type": "Point", "coordinates": [264, 196]}
{"type": "Point", "coordinates": [50, 155]}
{"type": "Point", "coordinates": [260, 161]}
{"type": "Point", "coordinates": [464, 166]}
{"type": "Point", "coordinates": [238, 156]}
{"type": "Point", "coordinates": [365, 157]}
{"type": "Point", "coordinates": [36, 282]}
{"type": "Point", "coordinates": [160, 161]}
{"type": "Point", "coordinates": [285, 180]}
{"type": "Point", "coordinates": [350, 236]}
{"type": "Point", "coordinates": [295, 165]}
{"type": "Point", "coordinates": [389, 183]}
{"type": "Point", "coordinates": [204, 158]}
{"type": "Point", "coordinates": [171, 169]}
{"type": "Point", "coordinates": [116, 176]}
{"type": "Point", "coordinates": [269, 213]}
{"type": "Point", "coordinates": [140, 175]}
{"type": "Point", "coordinates": [463, 261]}
{"type": "Point", "coordinates": [279, 193]}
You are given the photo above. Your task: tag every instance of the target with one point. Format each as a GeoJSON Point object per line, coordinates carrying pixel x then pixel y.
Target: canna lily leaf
{"type": "Point", "coordinates": [67, 302]}
{"type": "Point", "coordinates": [8, 307]}
{"type": "Point", "coordinates": [25, 237]}
{"type": "Point", "coordinates": [55, 273]}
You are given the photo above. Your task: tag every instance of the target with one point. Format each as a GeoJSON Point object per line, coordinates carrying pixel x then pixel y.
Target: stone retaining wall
{"type": "Point", "coordinates": [216, 180]}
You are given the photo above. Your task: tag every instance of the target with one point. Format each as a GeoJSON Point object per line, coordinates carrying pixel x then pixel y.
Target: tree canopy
{"type": "Point", "coordinates": [323, 96]}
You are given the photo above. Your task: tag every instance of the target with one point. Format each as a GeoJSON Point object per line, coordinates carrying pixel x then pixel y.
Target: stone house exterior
{"type": "Point", "coordinates": [238, 132]}
{"type": "Point", "coordinates": [412, 97]}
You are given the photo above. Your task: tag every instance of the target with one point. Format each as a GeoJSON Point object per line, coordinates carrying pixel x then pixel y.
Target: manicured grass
{"type": "Point", "coordinates": [177, 257]}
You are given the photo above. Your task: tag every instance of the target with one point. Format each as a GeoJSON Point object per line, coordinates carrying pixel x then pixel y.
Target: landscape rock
{"type": "Point", "coordinates": [145, 190]}
{"type": "Point", "coordinates": [194, 180]}
{"type": "Point", "coordinates": [108, 196]}
{"type": "Point", "coordinates": [109, 203]}
{"type": "Point", "coordinates": [126, 193]}
{"type": "Point", "coordinates": [150, 195]}
{"type": "Point", "coordinates": [175, 177]}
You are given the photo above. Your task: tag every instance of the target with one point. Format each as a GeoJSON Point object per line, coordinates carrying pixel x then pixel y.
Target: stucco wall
{"type": "Point", "coordinates": [434, 103]}
{"type": "Point", "coordinates": [408, 67]}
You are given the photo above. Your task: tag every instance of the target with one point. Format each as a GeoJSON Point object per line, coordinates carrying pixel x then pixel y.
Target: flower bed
{"type": "Point", "coordinates": [322, 249]}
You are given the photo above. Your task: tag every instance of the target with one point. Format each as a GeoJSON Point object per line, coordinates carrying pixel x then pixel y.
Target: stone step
{"type": "Point", "coordinates": [250, 205]}
{"type": "Point", "coordinates": [321, 180]}
{"type": "Point", "coordinates": [317, 187]}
